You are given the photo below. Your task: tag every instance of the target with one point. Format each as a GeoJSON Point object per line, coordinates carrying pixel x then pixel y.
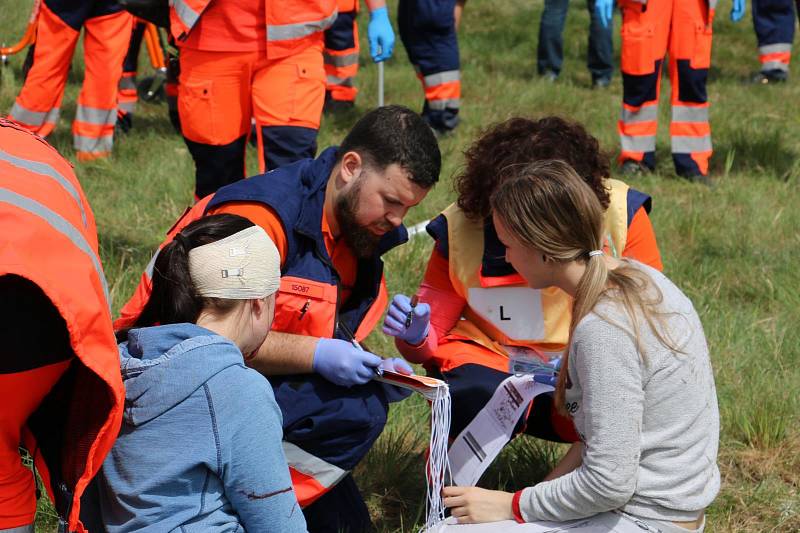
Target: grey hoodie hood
{"type": "Point", "coordinates": [163, 365]}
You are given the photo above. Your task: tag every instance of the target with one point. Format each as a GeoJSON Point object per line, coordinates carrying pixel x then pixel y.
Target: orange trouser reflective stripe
{"type": "Point", "coordinates": [341, 64]}
{"type": "Point", "coordinates": [38, 104]}
{"type": "Point", "coordinates": [105, 44]}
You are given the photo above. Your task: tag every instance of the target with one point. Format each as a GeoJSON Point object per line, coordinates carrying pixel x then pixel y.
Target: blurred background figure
{"type": "Point", "coordinates": [550, 52]}
{"type": "Point", "coordinates": [774, 22]}
{"type": "Point", "coordinates": [341, 50]}
{"type": "Point", "coordinates": [107, 30]}
{"type": "Point", "coordinates": [61, 395]}
{"type": "Point", "coordinates": [428, 31]}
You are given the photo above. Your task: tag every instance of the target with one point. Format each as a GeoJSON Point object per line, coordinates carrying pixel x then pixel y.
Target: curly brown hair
{"type": "Point", "coordinates": [520, 141]}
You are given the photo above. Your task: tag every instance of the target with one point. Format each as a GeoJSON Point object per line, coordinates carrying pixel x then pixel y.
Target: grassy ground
{"type": "Point", "coordinates": [733, 248]}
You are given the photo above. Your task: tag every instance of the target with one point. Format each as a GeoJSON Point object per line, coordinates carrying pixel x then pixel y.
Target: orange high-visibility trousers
{"type": "Point", "coordinates": [219, 92]}
{"type": "Point", "coordinates": [105, 43]}
{"type": "Point", "coordinates": [682, 29]}
{"type": "Point", "coordinates": [341, 54]}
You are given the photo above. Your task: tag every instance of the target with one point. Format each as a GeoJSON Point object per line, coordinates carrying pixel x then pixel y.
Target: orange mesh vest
{"type": "Point", "coordinates": [502, 311]}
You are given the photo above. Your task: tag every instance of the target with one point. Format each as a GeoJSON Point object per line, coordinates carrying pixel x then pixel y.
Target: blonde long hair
{"type": "Point", "coordinates": [547, 206]}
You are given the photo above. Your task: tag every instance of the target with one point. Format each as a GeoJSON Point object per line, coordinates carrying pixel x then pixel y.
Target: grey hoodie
{"type": "Point", "coordinates": [200, 446]}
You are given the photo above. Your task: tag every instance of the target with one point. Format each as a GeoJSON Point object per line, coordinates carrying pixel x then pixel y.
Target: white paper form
{"type": "Point", "coordinates": [481, 441]}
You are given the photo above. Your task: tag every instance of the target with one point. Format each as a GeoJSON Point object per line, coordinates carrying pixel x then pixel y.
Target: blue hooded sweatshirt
{"type": "Point", "coordinates": [200, 446]}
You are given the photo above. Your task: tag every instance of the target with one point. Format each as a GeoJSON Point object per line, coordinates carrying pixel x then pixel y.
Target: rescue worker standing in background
{"type": "Point", "coordinates": [774, 23]}
{"type": "Point", "coordinates": [650, 30]}
{"type": "Point", "coordinates": [550, 51]}
{"type": "Point", "coordinates": [249, 58]}
{"type": "Point", "coordinates": [341, 50]}
{"type": "Point", "coordinates": [61, 394]}
{"type": "Point", "coordinates": [107, 30]}
{"type": "Point", "coordinates": [331, 219]}
{"type": "Point", "coordinates": [428, 31]}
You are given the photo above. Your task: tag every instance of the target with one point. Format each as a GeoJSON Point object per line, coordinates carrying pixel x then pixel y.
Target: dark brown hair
{"type": "Point", "coordinates": [174, 298]}
{"type": "Point", "coordinates": [518, 142]}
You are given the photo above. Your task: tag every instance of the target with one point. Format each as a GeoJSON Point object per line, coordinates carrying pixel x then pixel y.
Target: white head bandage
{"type": "Point", "coordinates": [244, 266]}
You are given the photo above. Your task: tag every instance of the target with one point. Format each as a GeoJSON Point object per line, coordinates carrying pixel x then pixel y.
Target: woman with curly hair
{"type": "Point", "coordinates": [476, 310]}
{"type": "Point", "coordinates": [636, 377]}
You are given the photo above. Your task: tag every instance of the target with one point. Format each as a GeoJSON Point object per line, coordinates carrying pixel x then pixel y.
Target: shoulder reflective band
{"type": "Point", "coordinates": [323, 472]}
{"type": "Point", "coordinates": [58, 223]}
{"type": "Point", "coordinates": [44, 169]}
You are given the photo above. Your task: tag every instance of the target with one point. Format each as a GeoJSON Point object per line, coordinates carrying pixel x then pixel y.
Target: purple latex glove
{"type": "Point", "coordinates": [340, 362]}
{"type": "Point", "coordinates": [397, 318]}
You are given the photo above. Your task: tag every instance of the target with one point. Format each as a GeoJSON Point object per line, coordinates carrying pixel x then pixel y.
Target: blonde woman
{"type": "Point", "coordinates": [636, 376]}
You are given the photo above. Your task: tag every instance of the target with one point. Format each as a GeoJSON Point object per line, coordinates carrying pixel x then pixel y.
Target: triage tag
{"type": "Point", "coordinates": [477, 446]}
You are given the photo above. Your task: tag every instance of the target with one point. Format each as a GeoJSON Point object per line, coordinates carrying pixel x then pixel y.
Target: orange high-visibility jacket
{"type": "Point", "coordinates": [49, 237]}
{"type": "Point", "coordinates": [291, 26]}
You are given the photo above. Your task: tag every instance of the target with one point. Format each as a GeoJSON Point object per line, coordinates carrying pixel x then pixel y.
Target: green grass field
{"type": "Point", "coordinates": [733, 248]}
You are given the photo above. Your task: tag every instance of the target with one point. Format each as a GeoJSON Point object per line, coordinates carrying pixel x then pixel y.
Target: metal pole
{"type": "Point", "coordinates": [380, 84]}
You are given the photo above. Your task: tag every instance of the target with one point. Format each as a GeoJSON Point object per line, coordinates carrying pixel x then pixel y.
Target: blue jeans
{"type": "Point", "coordinates": [550, 53]}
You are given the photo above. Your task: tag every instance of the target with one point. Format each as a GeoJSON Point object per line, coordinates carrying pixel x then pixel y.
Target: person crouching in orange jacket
{"type": "Point", "coordinates": [61, 394]}
{"type": "Point", "coordinates": [243, 59]}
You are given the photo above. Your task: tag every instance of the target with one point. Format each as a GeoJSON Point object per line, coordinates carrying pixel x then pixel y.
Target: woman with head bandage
{"type": "Point", "coordinates": [200, 447]}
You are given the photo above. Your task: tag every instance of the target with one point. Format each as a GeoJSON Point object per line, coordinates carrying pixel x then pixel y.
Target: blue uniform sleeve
{"type": "Point", "coordinates": [437, 228]}
{"type": "Point", "coordinates": [635, 200]}
{"type": "Point", "coordinates": [254, 468]}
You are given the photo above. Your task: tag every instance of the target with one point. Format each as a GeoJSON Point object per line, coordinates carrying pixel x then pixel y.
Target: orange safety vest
{"type": "Point", "coordinates": [502, 313]}
{"type": "Point", "coordinates": [291, 26]}
{"type": "Point", "coordinates": [50, 238]}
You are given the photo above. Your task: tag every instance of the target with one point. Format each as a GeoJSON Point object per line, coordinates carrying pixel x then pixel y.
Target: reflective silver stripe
{"type": "Point", "coordinates": [323, 472]}
{"type": "Point", "coordinates": [441, 77]}
{"type": "Point", "coordinates": [775, 48]}
{"type": "Point", "coordinates": [774, 65]}
{"type": "Point", "coordinates": [34, 118]}
{"type": "Point", "coordinates": [187, 15]}
{"type": "Point", "coordinates": [447, 103]}
{"type": "Point", "coordinates": [712, 4]}
{"type": "Point", "coordinates": [343, 82]}
{"type": "Point", "coordinates": [644, 114]}
{"type": "Point", "coordinates": [127, 83]}
{"type": "Point", "coordinates": [681, 144]}
{"type": "Point", "coordinates": [60, 224]}
{"type": "Point", "coordinates": [44, 169]}
{"type": "Point", "coordinates": [151, 265]}
{"type": "Point", "coordinates": [128, 107]}
{"type": "Point", "coordinates": [638, 143]}
{"type": "Point", "coordinates": [93, 144]}
{"type": "Point", "coordinates": [340, 60]}
{"type": "Point", "coordinates": [287, 32]}
{"type": "Point", "coordinates": [682, 113]}
{"type": "Point", "coordinates": [93, 115]}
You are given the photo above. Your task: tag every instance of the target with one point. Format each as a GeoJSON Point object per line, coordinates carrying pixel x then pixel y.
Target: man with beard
{"type": "Point", "coordinates": [331, 219]}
